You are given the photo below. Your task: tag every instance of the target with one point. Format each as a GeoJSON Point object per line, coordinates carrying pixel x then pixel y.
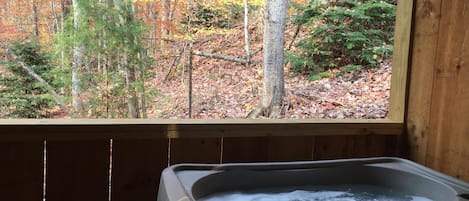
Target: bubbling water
{"type": "Point", "coordinates": [317, 193]}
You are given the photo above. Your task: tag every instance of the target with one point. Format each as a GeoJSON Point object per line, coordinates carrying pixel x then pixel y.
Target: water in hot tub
{"type": "Point", "coordinates": [318, 193]}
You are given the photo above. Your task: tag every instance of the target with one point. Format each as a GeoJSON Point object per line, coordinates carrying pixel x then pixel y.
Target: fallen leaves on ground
{"type": "Point", "coordinates": [224, 89]}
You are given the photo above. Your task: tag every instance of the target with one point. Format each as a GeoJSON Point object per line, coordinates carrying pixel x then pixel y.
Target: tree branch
{"type": "Point", "coordinates": [257, 51]}
{"type": "Point", "coordinates": [297, 31]}
{"type": "Point", "coordinates": [25, 67]}
{"type": "Point", "coordinates": [222, 57]}
{"type": "Point", "coordinates": [176, 62]}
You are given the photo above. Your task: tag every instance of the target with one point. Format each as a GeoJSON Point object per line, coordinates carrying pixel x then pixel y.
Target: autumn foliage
{"type": "Point", "coordinates": [159, 58]}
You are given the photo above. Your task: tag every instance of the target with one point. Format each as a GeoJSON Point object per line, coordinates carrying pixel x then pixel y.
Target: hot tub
{"type": "Point", "coordinates": [191, 182]}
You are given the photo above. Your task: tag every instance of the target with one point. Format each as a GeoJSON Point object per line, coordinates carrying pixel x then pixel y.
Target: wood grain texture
{"type": "Point", "coordinates": [21, 171]}
{"type": "Point", "coordinates": [136, 168]}
{"type": "Point", "coordinates": [285, 129]}
{"type": "Point", "coordinates": [400, 60]}
{"type": "Point", "coordinates": [204, 150]}
{"type": "Point", "coordinates": [447, 147]}
{"type": "Point", "coordinates": [77, 170]}
{"type": "Point", "coordinates": [336, 147]}
{"type": "Point", "coordinates": [268, 149]}
{"type": "Point", "coordinates": [254, 149]}
{"type": "Point", "coordinates": [192, 129]}
{"type": "Point", "coordinates": [296, 148]}
{"type": "Point", "coordinates": [425, 47]}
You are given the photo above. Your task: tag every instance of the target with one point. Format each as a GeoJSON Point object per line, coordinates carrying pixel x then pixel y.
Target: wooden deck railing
{"type": "Point", "coordinates": [95, 162]}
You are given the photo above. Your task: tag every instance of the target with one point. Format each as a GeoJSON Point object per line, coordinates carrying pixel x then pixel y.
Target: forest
{"type": "Point", "coordinates": [201, 59]}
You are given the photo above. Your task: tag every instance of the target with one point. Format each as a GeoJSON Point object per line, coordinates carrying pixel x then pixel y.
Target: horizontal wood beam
{"type": "Point", "coordinates": [23, 122]}
{"type": "Point", "coordinates": [154, 129]}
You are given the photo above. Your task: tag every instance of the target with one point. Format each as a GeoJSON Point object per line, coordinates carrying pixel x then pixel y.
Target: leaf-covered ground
{"type": "Point", "coordinates": [224, 89]}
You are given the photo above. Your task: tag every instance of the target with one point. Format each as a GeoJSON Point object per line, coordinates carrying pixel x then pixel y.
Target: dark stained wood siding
{"type": "Point", "coordinates": [136, 168]}
{"type": "Point", "coordinates": [77, 170]}
{"type": "Point", "coordinates": [21, 171]}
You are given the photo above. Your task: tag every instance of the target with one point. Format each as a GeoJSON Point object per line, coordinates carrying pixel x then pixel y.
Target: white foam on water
{"type": "Point", "coordinates": [341, 193]}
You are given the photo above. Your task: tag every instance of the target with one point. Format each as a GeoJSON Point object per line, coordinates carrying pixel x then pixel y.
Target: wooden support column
{"type": "Point", "coordinates": [449, 118]}
{"type": "Point", "coordinates": [425, 40]}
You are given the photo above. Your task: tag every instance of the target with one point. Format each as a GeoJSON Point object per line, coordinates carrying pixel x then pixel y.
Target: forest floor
{"type": "Point", "coordinates": [225, 89]}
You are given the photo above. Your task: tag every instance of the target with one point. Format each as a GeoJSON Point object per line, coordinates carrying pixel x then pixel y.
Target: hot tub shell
{"type": "Point", "coordinates": [189, 182]}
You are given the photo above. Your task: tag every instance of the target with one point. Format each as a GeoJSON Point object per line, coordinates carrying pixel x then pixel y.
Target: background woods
{"type": "Point", "coordinates": [199, 59]}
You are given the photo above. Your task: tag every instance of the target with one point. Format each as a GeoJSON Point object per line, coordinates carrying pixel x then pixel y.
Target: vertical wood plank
{"type": "Point", "coordinates": [200, 150]}
{"type": "Point", "coordinates": [21, 170]}
{"type": "Point", "coordinates": [136, 168]}
{"type": "Point", "coordinates": [400, 60]}
{"type": "Point", "coordinates": [77, 170]}
{"type": "Point", "coordinates": [249, 149]}
{"type": "Point", "coordinates": [425, 47]}
{"type": "Point", "coordinates": [295, 148]}
{"type": "Point", "coordinates": [447, 148]}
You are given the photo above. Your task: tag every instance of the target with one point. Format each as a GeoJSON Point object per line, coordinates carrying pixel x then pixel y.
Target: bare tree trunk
{"type": "Point", "coordinates": [172, 10]}
{"type": "Point", "coordinates": [190, 81]}
{"type": "Point", "coordinates": [246, 33]}
{"type": "Point", "coordinates": [165, 18]}
{"type": "Point", "coordinates": [35, 18]}
{"type": "Point", "coordinates": [55, 22]}
{"type": "Point", "coordinates": [65, 11]}
{"type": "Point", "coordinates": [77, 64]}
{"type": "Point", "coordinates": [132, 103]}
{"type": "Point", "coordinates": [143, 103]}
{"type": "Point", "coordinates": [273, 84]}
{"type": "Point", "coordinates": [153, 34]}
{"type": "Point", "coordinates": [191, 44]}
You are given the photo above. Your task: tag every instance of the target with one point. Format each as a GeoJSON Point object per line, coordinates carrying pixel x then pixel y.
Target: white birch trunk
{"type": "Point", "coordinates": [246, 33]}
{"type": "Point", "coordinates": [273, 82]}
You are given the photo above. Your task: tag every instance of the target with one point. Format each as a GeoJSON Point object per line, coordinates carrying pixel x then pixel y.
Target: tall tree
{"type": "Point", "coordinates": [35, 17]}
{"type": "Point", "coordinates": [273, 82]}
{"type": "Point", "coordinates": [246, 33]}
{"type": "Point", "coordinates": [55, 22]}
{"type": "Point", "coordinates": [77, 63]}
{"type": "Point", "coordinates": [166, 4]}
{"type": "Point", "coordinates": [127, 15]}
{"type": "Point", "coordinates": [65, 11]}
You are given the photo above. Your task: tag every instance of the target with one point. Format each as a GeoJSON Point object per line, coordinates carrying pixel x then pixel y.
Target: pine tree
{"type": "Point", "coordinates": [20, 95]}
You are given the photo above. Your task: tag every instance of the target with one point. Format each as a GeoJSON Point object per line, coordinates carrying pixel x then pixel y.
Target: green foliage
{"type": "Point", "coordinates": [21, 96]}
{"type": "Point", "coordinates": [318, 76]}
{"type": "Point", "coordinates": [350, 68]}
{"type": "Point", "coordinates": [343, 32]}
{"type": "Point", "coordinates": [112, 39]}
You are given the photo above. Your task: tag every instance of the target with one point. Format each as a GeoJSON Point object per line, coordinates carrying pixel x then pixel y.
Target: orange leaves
{"type": "Point", "coordinates": [8, 32]}
{"type": "Point", "coordinates": [224, 89]}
